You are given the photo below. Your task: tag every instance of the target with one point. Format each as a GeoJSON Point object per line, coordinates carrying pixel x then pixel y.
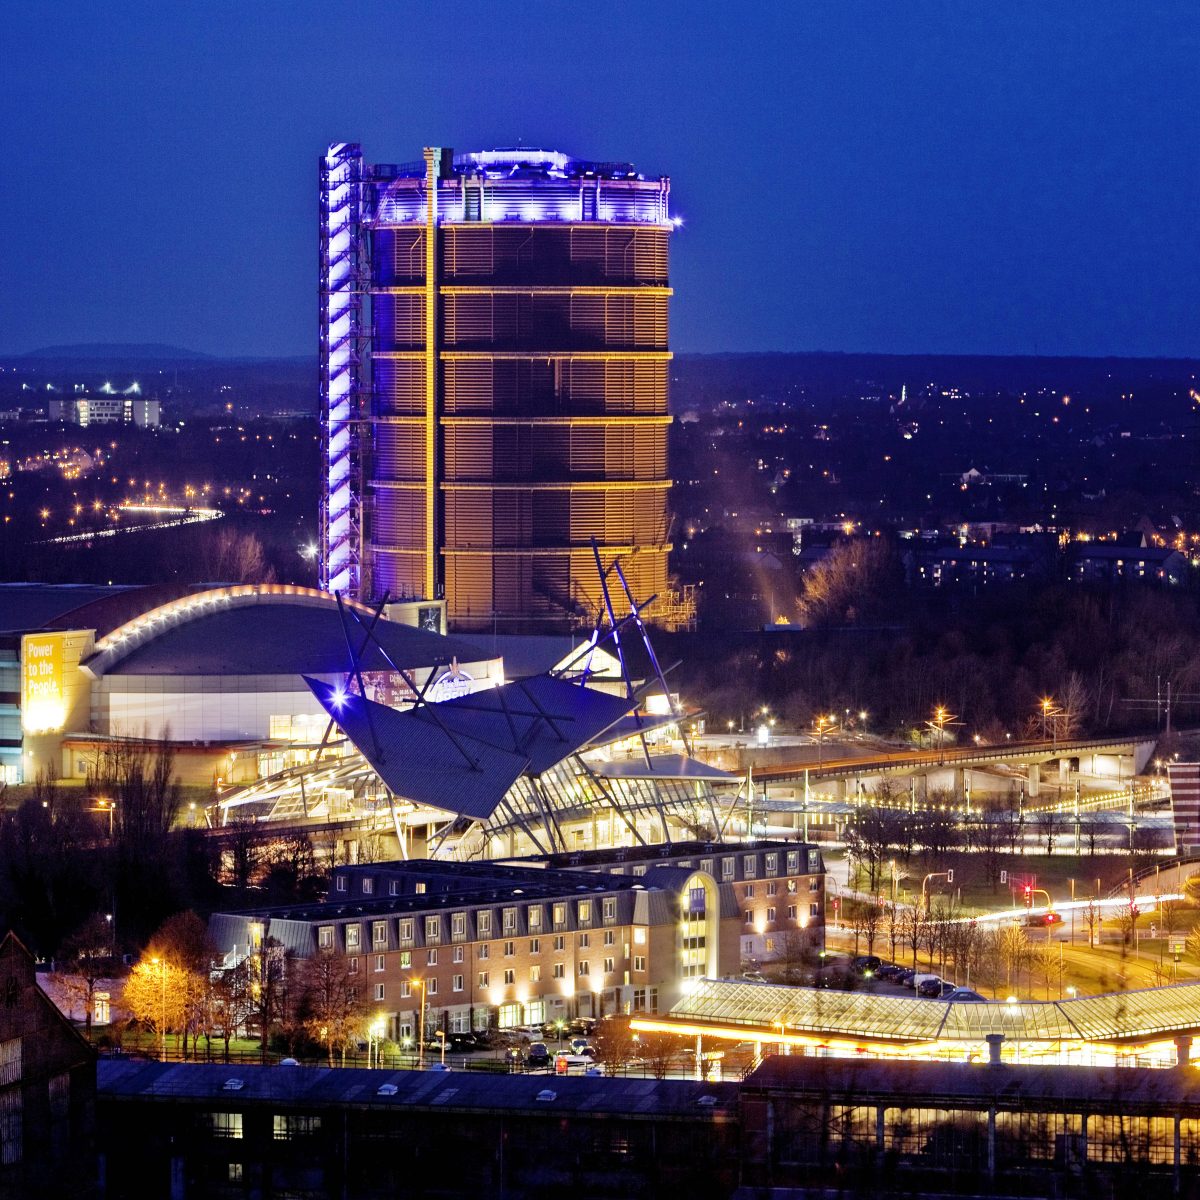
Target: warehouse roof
{"type": "Point", "coordinates": [241, 1086]}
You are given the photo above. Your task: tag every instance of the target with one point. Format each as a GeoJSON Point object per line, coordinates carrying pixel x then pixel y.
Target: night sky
{"type": "Point", "coordinates": [974, 176]}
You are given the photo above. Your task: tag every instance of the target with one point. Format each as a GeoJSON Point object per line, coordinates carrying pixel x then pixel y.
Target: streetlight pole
{"type": "Point", "coordinates": [421, 1030]}
{"type": "Point", "coordinates": [161, 964]}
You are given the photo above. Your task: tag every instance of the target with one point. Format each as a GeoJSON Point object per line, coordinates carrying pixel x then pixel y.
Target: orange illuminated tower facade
{"type": "Point", "coordinates": [512, 390]}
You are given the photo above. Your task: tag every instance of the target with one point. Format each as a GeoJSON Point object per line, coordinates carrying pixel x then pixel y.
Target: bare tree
{"type": "Point", "coordinates": [614, 1044]}
{"type": "Point", "coordinates": [330, 1007]}
{"type": "Point", "coordinates": [1014, 952]}
{"type": "Point", "coordinates": [86, 959]}
{"type": "Point", "coordinates": [1049, 824]}
{"type": "Point", "coordinates": [230, 556]}
{"type": "Point", "coordinates": [659, 1051]}
{"type": "Point", "coordinates": [1091, 918]}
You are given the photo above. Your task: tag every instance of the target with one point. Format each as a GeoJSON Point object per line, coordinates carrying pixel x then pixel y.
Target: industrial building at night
{"type": "Point", "coordinates": [494, 372]}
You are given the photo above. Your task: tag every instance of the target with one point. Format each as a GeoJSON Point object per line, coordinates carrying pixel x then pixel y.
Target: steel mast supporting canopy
{"type": "Point", "coordinates": [463, 755]}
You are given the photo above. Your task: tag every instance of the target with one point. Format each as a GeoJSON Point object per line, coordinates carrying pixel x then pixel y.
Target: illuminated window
{"type": "Point", "coordinates": [353, 937]}
{"type": "Point", "coordinates": [584, 912]}
{"type": "Point", "coordinates": [639, 936]}
{"type": "Point", "coordinates": [535, 917]}
{"type": "Point", "coordinates": [535, 973]}
{"type": "Point", "coordinates": [483, 922]}
{"type": "Point", "coordinates": [289, 1126]}
{"type": "Point", "coordinates": [225, 1125]}
{"type": "Point", "coordinates": [325, 937]}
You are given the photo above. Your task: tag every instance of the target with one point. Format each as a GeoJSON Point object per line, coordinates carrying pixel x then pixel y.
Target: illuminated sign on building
{"type": "Point", "coordinates": [43, 692]}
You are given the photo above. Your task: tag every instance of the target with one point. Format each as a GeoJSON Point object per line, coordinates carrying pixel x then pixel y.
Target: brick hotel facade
{"type": "Point", "coordinates": [508, 944]}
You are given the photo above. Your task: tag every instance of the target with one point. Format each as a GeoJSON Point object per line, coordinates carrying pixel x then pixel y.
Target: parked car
{"type": "Point", "coordinates": [584, 1026]}
{"type": "Point", "coordinates": [866, 964]}
{"type": "Point", "coordinates": [579, 1045]}
{"type": "Point", "coordinates": [753, 977]}
{"type": "Point", "coordinates": [889, 971]}
{"type": "Point", "coordinates": [904, 977]}
{"type": "Point", "coordinates": [963, 993]}
{"type": "Point", "coordinates": [929, 987]}
{"type": "Point", "coordinates": [463, 1043]}
{"type": "Point", "coordinates": [538, 1058]}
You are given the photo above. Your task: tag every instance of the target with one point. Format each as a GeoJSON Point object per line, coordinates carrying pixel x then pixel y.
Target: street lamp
{"type": "Point", "coordinates": [421, 1028]}
{"type": "Point", "coordinates": [374, 1037]}
{"type": "Point", "coordinates": [821, 725]}
{"type": "Point", "coordinates": [161, 964]}
{"type": "Point", "coordinates": [441, 1037]}
{"type": "Point", "coordinates": [1049, 711]}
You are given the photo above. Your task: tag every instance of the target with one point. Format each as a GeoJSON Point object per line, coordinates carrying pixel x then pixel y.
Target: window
{"type": "Point", "coordinates": [405, 959]}
{"type": "Point", "coordinates": [352, 966]}
{"type": "Point", "coordinates": [560, 971]}
{"type": "Point", "coordinates": [226, 1125]}
{"type": "Point", "coordinates": [610, 937]}
{"type": "Point", "coordinates": [535, 945]}
{"type": "Point", "coordinates": [483, 951]}
{"type": "Point", "coordinates": [368, 885]}
{"type": "Point", "coordinates": [535, 917]}
{"type": "Point", "coordinates": [483, 922]}
{"type": "Point", "coordinates": [585, 940]}
{"type": "Point", "coordinates": [379, 993]}
{"type": "Point", "coordinates": [380, 959]}
{"type": "Point", "coordinates": [695, 901]}
{"type": "Point", "coordinates": [639, 937]}
{"type": "Point", "coordinates": [560, 944]}
{"type": "Point", "coordinates": [325, 937]}
{"type": "Point", "coordinates": [535, 974]}
{"type": "Point", "coordinates": [289, 1126]}
{"type": "Point", "coordinates": [639, 962]}
{"type": "Point", "coordinates": [749, 866]}
{"type": "Point", "coordinates": [749, 916]}
{"type": "Point", "coordinates": [483, 979]}
{"type": "Point", "coordinates": [510, 976]}
{"type": "Point", "coordinates": [791, 912]}
{"type": "Point", "coordinates": [379, 933]}
{"type": "Point", "coordinates": [431, 958]}
{"type": "Point", "coordinates": [610, 966]}
{"type": "Point", "coordinates": [433, 930]}
{"type": "Point", "coordinates": [431, 987]}
{"type": "Point", "coordinates": [457, 954]}
{"type": "Point", "coordinates": [791, 887]}
{"type": "Point", "coordinates": [793, 861]}
{"type": "Point", "coordinates": [405, 989]}
{"type": "Point", "coordinates": [771, 864]}
{"type": "Point", "coordinates": [458, 925]}
{"type": "Point", "coordinates": [706, 865]}
{"type": "Point", "coordinates": [772, 888]}
{"type": "Point", "coordinates": [770, 912]}
{"type": "Point", "coordinates": [406, 930]}
{"type": "Point", "coordinates": [814, 909]}
{"type": "Point", "coordinates": [393, 887]}
{"type": "Point", "coordinates": [609, 908]}
{"type": "Point", "coordinates": [457, 984]}
{"type": "Point", "coordinates": [510, 948]}
{"type": "Point", "coordinates": [585, 968]}
{"type": "Point", "coordinates": [341, 883]}
{"type": "Point", "coordinates": [353, 937]}
{"type": "Point", "coordinates": [508, 917]}
{"type": "Point", "coordinates": [749, 891]}
{"type": "Point", "coordinates": [560, 916]}
{"type": "Point", "coordinates": [814, 884]}
{"type": "Point", "coordinates": [727, 868]}
{"type": "Point", "coordinates": [584, 912]}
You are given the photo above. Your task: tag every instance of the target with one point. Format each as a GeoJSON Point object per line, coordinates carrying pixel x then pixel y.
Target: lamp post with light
{"type": "Point", "coordinates": [161, 964]}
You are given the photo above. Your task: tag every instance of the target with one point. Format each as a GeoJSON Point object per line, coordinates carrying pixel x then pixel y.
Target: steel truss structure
{"type": "Point", "coordinates": [517, 769]}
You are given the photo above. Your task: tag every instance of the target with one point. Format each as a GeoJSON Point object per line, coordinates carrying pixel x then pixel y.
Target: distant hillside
{"type": "Point", "coordinates": [124, 351]}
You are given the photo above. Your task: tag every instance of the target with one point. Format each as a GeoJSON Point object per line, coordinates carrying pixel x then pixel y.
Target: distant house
{"type": "Point", "coordinates": [1105, 562]}
{"type": "Point", "coordinates": [47, 1089]}
{"type": "Point", "coordinates": [973, 565]}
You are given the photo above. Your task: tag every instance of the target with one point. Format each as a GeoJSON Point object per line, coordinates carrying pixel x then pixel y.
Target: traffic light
{"type": "Point", "coordinates": [1029, 895]}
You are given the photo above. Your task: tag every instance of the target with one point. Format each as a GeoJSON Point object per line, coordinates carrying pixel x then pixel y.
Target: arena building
{"type": "Point", "coordinates": [218, 672]}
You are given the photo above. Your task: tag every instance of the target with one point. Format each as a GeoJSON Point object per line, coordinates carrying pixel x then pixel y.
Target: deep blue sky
{"type": "Point", "coordinates": [989, 176]}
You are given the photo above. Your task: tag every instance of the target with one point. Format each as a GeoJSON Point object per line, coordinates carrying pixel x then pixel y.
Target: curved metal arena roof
{"type": "Point", "coordinates": [1148, 1014]}
{"type": "Point", "coordinates": [264, 630]}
